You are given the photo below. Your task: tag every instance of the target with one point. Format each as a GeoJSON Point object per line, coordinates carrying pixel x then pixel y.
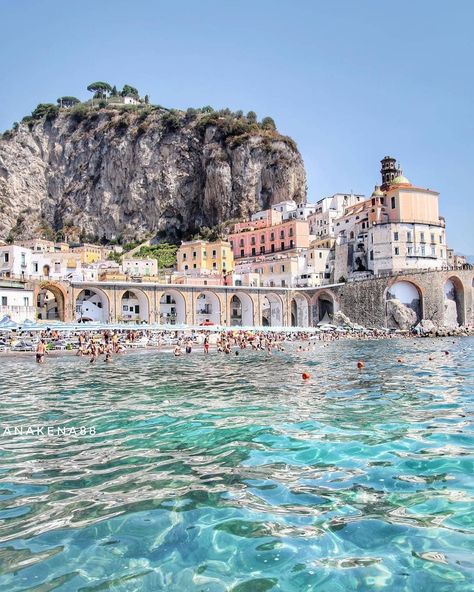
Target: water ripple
{"type": "Point", "coordinates": [226, 473]}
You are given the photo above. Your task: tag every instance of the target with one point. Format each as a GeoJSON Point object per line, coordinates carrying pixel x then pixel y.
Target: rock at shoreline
{"type": "Point", "coordinates": [426, 326]}
{"type": "Point", "coordinates": [399, 315]}
{"type": "Point", "coordinates": [342, 320]}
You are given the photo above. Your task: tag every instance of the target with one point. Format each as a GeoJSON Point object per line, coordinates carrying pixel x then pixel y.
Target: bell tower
{"type": "Point", "coordinates": [389, 171]}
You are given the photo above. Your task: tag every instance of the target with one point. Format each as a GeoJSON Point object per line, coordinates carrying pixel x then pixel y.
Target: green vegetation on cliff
{"type": "Point", "coordinates": [234, 125]}
{"type": "Point", "coordinates": [164, 253]}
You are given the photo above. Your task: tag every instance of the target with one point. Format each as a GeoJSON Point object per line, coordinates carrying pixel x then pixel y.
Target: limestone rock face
{"type": "Point", "coordinates": [399, 315]}
{"type": "Point", "coordinates": [133, 175]}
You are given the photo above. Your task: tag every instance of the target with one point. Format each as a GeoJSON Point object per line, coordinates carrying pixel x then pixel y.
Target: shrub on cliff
{"type": "Point", "coordinates": [268, 124]}
{"type": "Point", "coordinates": [79, 112]}
{"type": "Point", "coordinates": [218, 232]}
{"type": "Point", "coordinates": [46, 111]}
{"type": "Point", "coordinates": [191, 113]}
{"type": "Point", "coordinates": [114, 256]}
{"type": "Point", "coordinates": [171, 121]}
{"type": "Point", "coordinates": [227, 123]}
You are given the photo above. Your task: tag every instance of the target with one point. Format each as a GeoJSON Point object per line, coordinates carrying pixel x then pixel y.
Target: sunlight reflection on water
{"type": "Point", "coordinates": [232, 473]}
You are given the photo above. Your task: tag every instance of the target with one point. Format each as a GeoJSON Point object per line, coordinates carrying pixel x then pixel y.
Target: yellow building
{"type": "Point", "coordinates": [204, 257]}
{"type": "Point", "coordinates": [91, 253]}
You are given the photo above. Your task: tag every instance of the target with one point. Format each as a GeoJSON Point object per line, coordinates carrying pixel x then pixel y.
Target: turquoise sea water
{"type": "Point", "coordinates": [231, 473]}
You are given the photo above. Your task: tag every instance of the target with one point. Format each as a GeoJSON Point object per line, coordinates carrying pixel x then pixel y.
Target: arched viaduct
{"type": "Point", "coordinates": [440, 296]}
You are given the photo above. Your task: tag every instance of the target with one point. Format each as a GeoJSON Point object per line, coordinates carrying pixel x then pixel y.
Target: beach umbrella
{"type": "Point", "coordinates": [7, 323]}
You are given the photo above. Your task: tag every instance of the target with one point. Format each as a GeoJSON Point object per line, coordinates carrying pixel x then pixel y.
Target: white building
{"type": "Point", "coordinates": [16, 302]}
{"type": "Point", "coordinates": [306, 267]}
{"type": "Point", "coordinates": [56, 265]}
{"type": "Point", "coordinates": [288, 209]}
{"type": "Point", "coordinates": [327, 209]}
{"type": "Point", "coordinates": [317, 266]}
{"type": "Point", "coordinates": [131, 101]}
{"type": "Point", "coordinates": [23, 263]}
{"type": "Point", "coordinates": [140, 267]}
{"type": "Point", "coordinates": [15, 261]}
{"type": "Point", "coordinates": [406, 246]}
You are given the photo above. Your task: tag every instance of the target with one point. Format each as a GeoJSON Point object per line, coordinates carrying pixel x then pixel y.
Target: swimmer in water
{"type": "Point", "coordinates": [94, 352]}
{"type": "Point", "coordinates": [40, 351]}
{"type": "Point", "coordinates": [108, 353]}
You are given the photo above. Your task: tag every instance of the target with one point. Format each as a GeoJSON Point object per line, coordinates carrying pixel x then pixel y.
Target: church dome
{"type": "Point", "coordinates": [377, 192]}
{"type": "Point", "coordinates": [400, 180]}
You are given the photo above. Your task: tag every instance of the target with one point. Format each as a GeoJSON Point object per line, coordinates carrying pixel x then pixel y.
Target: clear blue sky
{"type": "Point", "coordinates": [349, 80]}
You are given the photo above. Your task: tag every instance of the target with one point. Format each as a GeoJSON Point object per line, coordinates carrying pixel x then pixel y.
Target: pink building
{"type": "Point", "coordinates": [268, 235]}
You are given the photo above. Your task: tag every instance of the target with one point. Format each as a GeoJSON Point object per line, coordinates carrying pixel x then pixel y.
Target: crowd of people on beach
{"type": "Point", "coordinates": [93, 343]}
{"type": "Point", "coordinates": [108, 343]}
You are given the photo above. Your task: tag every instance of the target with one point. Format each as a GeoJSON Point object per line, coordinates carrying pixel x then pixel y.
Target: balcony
{"type": "Point", "coordinates": [419, 256]}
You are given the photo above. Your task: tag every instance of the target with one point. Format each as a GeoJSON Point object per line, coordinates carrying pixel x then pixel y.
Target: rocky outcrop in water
{"type": "Point", "coordinates": [132, 174]}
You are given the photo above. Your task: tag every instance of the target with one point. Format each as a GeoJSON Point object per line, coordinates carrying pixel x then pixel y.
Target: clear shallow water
{"type": "Point", "coordinates": [233, 474]}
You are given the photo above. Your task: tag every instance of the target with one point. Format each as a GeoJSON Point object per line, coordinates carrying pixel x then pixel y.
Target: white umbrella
{"type": "Point", "coordinates": [7, 323]}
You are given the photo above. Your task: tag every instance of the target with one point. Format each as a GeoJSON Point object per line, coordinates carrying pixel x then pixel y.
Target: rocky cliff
{"type": "Point", "coordinates": [135, 173]}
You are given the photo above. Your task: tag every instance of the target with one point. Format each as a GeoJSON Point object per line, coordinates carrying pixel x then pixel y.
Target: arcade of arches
{"type": "Point", "coordinates": [209, 306]}
{"type": "Point", "coordinates": [446, 298]}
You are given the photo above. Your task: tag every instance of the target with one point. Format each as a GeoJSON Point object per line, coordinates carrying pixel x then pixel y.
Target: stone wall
{"type": "Point", "coordinates": [364, 301]}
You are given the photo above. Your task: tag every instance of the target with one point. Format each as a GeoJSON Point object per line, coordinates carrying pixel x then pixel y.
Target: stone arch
{"type": "Point", "coordinates": [403, 304]}
{"type": "Point", "coordinates": [92, 304]}
{"type": "Point", "coordinates": [241, 310]}
{"type": "Point", "coordinates": [299, 311]}
{"type": "Point", "coordinates": [271, 310]}
{"type": "Point", "coordinates": [453, 302]}
{"type": "Point", "coordinates": [324, 306]}
{"type": "Point", "coordinates": [207, 308]}
{"type": "Point", "coordinates": [172, 308]}
{"type": "Point", "coordinates": [51, 301]}
{"type": "Point", "coordinates": [134, 306]}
